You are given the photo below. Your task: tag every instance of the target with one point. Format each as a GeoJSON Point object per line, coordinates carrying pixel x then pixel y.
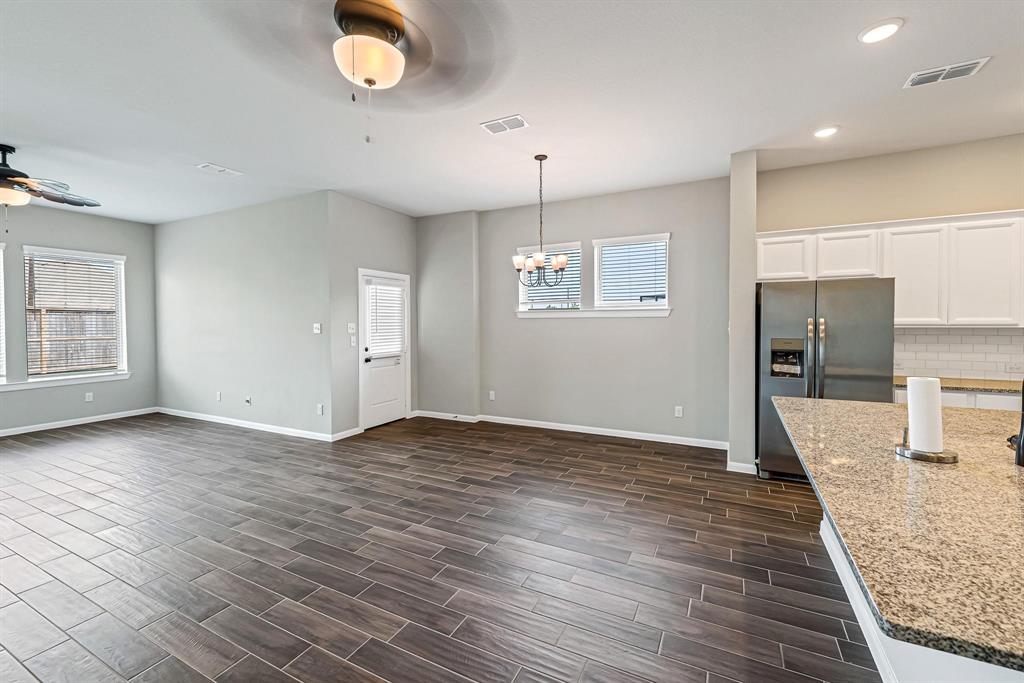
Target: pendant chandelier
{"type": "Point", "coordinates": [534, 266]}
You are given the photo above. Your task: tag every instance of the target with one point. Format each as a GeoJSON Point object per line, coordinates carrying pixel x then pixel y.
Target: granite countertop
{"type": "Point", "coordinates": [994, 386]}
{"type": "Point", "coordinates": [939, 549]}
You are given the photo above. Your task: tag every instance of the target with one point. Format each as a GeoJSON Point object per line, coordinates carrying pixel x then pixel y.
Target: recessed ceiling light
{"type": "Point", "coordinates": [826, 132]}
{"type": "Point", "coordinates": [880, 31]}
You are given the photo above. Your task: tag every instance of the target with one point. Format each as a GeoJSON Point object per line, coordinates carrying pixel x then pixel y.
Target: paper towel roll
{"type": "Point", "coordinates": [924, 403]}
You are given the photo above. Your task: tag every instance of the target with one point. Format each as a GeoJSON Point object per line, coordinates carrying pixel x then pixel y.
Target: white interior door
{"type": "Point", "coordinates": [384, 378]}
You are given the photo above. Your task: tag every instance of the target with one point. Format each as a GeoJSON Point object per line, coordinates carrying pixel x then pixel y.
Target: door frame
{"type": "Point", "coordinates": [363, 329]}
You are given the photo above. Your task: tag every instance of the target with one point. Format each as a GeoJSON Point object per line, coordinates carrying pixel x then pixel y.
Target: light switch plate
{"type": "Point", "coordinates": [351, 328]}
{"type": "Point", "coordinates": [490, 396]}
{"type": "Point", "coordinates": [88, 397]}
{"type": "Point", "coordinates": [352, 340]}
{"type": "Point", "coordinates": [317, 328]}
{"type": "Point", "coordinates": [679, 411]}
{"type": "Point", "coordinates": [319, 408]}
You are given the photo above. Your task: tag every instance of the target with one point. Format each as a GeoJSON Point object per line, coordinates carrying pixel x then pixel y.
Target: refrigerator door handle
{"type": "Point", "coordinates": [820, 374]}
{"type": "Point", "coordinates": [808, 368]}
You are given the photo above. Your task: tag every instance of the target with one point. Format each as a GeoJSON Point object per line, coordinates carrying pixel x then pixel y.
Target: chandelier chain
{"type": "Point", "coordinates": [540, 194]}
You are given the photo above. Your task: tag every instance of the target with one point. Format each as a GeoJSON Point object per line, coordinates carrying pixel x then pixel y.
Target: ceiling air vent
{"type": "Point", "coordinates": [505, 124]}
{"type": "Point", "coordinates": [945, 73]}
{"type": "Point", "coordinates": [217, 169]}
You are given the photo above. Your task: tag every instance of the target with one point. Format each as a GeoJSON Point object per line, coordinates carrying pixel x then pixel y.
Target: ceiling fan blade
{"type": "Point", "coordinates": [36, 183]}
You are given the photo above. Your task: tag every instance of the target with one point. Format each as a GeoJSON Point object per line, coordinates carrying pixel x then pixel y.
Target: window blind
{"type": "Point", "coordinates": [386, 308]}
{"type": "Point", "coordinates": [633, 273]}
{"type": "Point", "coordinates": [73, 307]}
{"type": "Point", "coordinates": [565, 296]}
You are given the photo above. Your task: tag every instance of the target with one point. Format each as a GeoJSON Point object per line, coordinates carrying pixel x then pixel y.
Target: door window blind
{"type": "Point", "coordinates": [565, 296]}
{"type": "Point", "coordinates": [73, 313]}
{"type": "Point", "coordinates": [633, 274]}
{"type": "Point", "coordinates": [3, 335]}
{"type": "Point", "coordinates": [386, 307]}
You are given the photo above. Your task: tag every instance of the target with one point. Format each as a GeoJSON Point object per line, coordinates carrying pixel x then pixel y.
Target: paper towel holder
{"type": "Point", "coordinates": [905, 451]}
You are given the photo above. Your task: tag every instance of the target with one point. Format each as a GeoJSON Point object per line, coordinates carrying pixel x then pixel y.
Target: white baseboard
{"type": "Point", "coordinates": [744, 467]}
{"type": "Point", "coordinates": [263, 427]}
{"type": "Point", "coordinates": [75, 421]}
{"type": "Point", "coordinates": [338, 436]}
{"type": "Point", "coordinates": [321, 436]}
{"type": "Point", "coordinates": [445, 416]}
{"type": "Point", "coordinates": [606, 431]}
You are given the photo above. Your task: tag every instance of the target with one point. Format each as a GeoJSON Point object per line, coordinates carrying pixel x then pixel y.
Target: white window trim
{"type": "Point", "coordinates": [54, 251]}
{"type": "Point", "coordinates": [631, 239]}
{"type": "Point", "coordinates": [548, 248]}
{"type": "Point", "coordinates": [599, 313]}
{"type": "Point", "coordinates": [122, 371]}
{"type": "Point", "coordinates": [84, 378]}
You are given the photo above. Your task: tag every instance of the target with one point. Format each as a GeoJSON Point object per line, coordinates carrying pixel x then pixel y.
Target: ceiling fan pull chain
{"type": "Point", "coordinates": [353, 71]}
{"type": "Point", "coordinates": [369, 109]}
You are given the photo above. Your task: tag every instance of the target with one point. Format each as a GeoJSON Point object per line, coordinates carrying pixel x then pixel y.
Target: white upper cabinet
{"type": "Point", "coordinates": [847, 254]}
{"type": "Point", "coordinates": [985, 272]}
{"type": "Point", "coordinates": [917, 258]}
{"type": "Point", "coordinates": [785, 258]}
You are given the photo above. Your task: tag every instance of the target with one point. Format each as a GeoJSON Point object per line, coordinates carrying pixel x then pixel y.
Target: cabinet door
{"type": "Point", "coordinates": [997, 401]}
{"type": "Point", "coordinates": [985, 272]}
{"type": "Point", "coordinates": [917, 258]}
{"type": "Point", "coordinates": [785, 258]}
{"type": "Point", "coordinates": [847, 254]}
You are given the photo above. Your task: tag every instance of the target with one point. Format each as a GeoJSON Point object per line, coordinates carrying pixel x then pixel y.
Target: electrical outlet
{"type": "Point", "coordinates": [218, 397]}
{"type": "Point", "coordinates": [88, 397]}
{"type": "Point", "coordinates": [679, 411]}
{"type": "Point", "coordinates": [319, 408]}
{"type": "Point", "coordinates": [490, 395]}
{"type": "Point", "coordinates": [248, 400]}
{"type": "Point", "coordinates": [352, 340]}
{"type": "Point", "coordinates": [317, 328]}
{"type": "Point", "coordinates": [1015, 367]}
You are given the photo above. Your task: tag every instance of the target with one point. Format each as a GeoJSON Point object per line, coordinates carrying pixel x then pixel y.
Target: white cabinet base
{"type": "Point", "coordinates": [899, 661]}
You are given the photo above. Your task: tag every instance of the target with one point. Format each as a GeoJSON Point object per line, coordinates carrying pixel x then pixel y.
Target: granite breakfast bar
{"type": "Point", "coordinates": [931, 555]}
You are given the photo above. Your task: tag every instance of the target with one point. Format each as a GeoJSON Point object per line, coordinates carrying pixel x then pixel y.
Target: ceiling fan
{"type": "Point", "coordinates": [443, 52]}
{"type": "Point", "coordinates": [17, 189]}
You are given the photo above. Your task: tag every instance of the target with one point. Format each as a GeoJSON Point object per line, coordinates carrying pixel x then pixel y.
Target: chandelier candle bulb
{"type": "Point", "coordinates": [924, 406]}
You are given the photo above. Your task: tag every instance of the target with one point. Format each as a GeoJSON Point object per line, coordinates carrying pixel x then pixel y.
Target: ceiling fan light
{"type": "Point", "coordinates": [12, 197]}
{"type": "Point", "coordinates": [377, 61]}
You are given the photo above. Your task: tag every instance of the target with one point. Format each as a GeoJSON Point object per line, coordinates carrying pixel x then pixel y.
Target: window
{"type": "Point", "coordinates": [3, 335]}
{"type": "Point", "coordinates": [631, 272]}
{"type": "Point", "coordinates": [385, 306]}
{"type": "Point", "coordinates": [565, 296]}
{"type": "Point", "coordinates": [74, 312]}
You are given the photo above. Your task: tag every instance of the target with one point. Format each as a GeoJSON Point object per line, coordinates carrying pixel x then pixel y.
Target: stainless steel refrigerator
{"type": "Point", "coordinates": [819, 339]}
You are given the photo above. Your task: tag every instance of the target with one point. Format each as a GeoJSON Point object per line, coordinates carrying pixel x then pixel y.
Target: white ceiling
{"type": "Point", "coordinates": [122, 98]}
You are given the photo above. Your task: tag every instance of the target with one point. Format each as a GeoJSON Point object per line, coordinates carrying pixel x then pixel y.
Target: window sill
{"type": "Point", "coordinates": [47, 382]}
{"type": "Point", "coordinates": [599, 313]}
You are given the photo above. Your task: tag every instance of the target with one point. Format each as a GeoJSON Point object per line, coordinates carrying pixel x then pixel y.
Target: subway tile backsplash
{"type": "Point", "coordinates": [979, 353]}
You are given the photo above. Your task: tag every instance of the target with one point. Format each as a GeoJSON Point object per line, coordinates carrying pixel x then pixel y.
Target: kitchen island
{"type": "Point", "coordinates": [931, 556]}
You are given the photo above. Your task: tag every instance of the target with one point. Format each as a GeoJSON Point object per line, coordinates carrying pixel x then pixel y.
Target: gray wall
{"type": "Point", "coordinates": [449, 313]}
{"type": "Point", "coordinates": [624, 373]}
{"type": "Point", "coordinates": [362, 235]}
{"type": "Point", "coordinates": [742, 308]}
{"type": "Point", "coordinates": [237, 294]}
{"type": "Point", "coordinates": [38, 226]}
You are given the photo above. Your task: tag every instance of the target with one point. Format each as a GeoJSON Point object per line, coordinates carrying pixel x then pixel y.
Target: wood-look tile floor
{"type": "Point", "coordinates": [161, 549]}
